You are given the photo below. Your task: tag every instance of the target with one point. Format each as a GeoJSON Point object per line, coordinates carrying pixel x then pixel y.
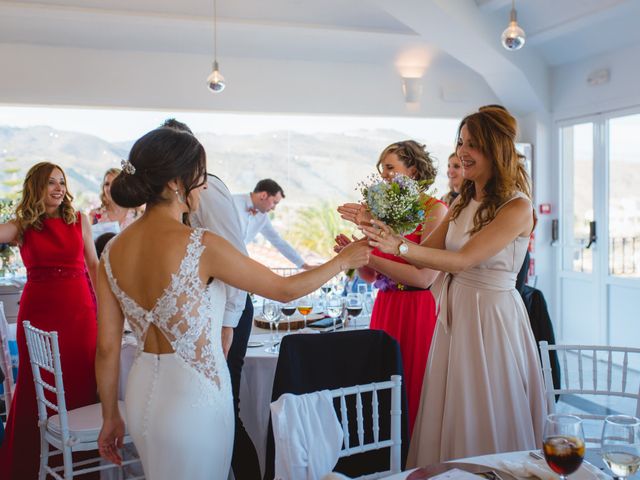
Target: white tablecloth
{"type": "Point", "coordinates": [255, 392]}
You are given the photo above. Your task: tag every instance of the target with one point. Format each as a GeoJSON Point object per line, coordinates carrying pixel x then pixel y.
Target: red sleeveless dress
{"type": "Point", "coordinates": [57, 296]}
{"type": "Point", "coordinates": [409, 316]}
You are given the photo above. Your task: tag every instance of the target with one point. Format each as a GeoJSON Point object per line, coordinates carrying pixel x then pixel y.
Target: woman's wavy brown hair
{"type": "Point", "coordinates": [493, 131]}
{"type": "Point", "coordinates": [31, 209]}
{"type": "Point", "coordinates": [412, 154]}
{"type": "Point", "coordinates": [112, 171]}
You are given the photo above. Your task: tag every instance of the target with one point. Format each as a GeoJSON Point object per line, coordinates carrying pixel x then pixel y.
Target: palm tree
{"type": "Point", "coordinates": [315, 228]}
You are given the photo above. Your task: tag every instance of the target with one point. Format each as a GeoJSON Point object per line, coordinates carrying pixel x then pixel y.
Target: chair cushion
{"type": "Point", "coordinates": [84, 422]}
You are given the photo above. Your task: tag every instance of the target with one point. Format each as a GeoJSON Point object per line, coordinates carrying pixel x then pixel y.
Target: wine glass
{"type": "Point", "coordinates": [621, 444]}
{"type": "Point", "coordinates": [354, 307]}
{"type": "Point", "coordinates": [334, 308]}
{"type": "Point", "coordinates": [287, 310]}
{"type": "Point", "coordinates": [305, 305]}
{"type": "Point", "coordinates": [363, 289]}
{"type": "Point", "coordinates": [563, 443]}
{"type": "Point", "coordinates": [326, 290]}
{"type": "Point", "coordinates": [269, 313]}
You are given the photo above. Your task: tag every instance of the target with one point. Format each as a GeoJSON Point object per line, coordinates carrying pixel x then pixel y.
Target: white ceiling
{"type": "Point", "coordinates": [415, 33]}
{"type": "Point", "coordinates": [564, 31]}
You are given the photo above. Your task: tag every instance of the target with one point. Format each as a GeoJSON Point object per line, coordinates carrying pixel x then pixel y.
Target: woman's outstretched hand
{"type": "Point", "coordinates": [382, 237]}
{"type": "Point", "coordinates": [355, 213]}
{"type": "Point", "coordinates": [110, 440]}
{"type": "Point", "coordinates": [354, 255]}
{"type": "Point", "coordinates": [342, 241]}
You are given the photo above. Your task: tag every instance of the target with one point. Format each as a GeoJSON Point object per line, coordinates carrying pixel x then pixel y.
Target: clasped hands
{"type": "Point", "coordinates": [379, 234]}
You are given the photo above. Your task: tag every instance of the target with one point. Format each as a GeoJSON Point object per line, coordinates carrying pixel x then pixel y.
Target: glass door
{"type": "Point", "coordinates": [600, 230]}
{"type": "Point", "coordinates": [623, 228]}
{"type": "Point", "coordinates": [579, 270]}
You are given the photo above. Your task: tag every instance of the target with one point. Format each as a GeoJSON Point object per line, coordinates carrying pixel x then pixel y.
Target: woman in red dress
{"type": "Point", "coordinates": [404, 306]}
{"type": "Point", "coordinates": [58, 252]}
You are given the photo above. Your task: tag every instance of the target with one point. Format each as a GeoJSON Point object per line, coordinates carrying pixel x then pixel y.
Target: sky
{"type": "Point", "coordinates": [116, 125]}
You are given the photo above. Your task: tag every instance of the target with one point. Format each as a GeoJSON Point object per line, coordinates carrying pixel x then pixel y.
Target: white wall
{"type": "Point", "coordinates": [536, 129]}
{"type": "Point", "coordinates": [571, 95]}
{"type": "Point", "coordinates": [84, 77]}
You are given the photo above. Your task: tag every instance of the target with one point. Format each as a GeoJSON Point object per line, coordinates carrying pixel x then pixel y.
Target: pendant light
{"type": "Point", "coordinates": [513, 37]}
{"type": "Point", "coordinates": [215, 80]}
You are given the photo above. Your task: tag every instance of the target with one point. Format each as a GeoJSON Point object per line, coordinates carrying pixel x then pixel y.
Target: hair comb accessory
{"type": "Point", "coordinates": [127, 167]}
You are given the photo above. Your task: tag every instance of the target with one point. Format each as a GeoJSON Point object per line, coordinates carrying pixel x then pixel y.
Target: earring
{"type": "Point", "coordinates": [180, 196]}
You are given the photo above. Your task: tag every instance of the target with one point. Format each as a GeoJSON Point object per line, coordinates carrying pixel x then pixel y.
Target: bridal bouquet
{"type": "Point", "coordinates": [399, 202]}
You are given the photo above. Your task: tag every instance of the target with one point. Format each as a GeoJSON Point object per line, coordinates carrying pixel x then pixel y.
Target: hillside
{"type": "Point", "coordinates": [309, 167]}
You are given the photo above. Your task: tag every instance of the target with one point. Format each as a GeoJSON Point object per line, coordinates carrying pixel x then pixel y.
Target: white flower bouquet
{"type": "Point", "coordinates": [398, 202]}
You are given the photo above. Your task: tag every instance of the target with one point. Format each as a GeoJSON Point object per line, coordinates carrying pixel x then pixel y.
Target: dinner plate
{"type": "Point", "coordinates": [253, 344]}
{"type": "Point", "coordinates": [483, 471]}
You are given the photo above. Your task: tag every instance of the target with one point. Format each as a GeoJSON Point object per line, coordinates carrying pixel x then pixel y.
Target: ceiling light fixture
{"type": "Point", "coordinates": [215, 80]}
{"type": "Point", "coordinates": [513, 37]}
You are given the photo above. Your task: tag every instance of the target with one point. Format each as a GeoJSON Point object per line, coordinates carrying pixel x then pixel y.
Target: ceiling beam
{"type": "Point", "coordinates": [492, 5]}
{"type": "Point", "coordinates": [458, 27]}
{"type": "Point", "coordinates": [583, 21]}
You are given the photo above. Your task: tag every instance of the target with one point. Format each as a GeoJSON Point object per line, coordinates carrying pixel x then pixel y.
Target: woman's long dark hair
{"type": "Point", "coordinates": [162, 155]}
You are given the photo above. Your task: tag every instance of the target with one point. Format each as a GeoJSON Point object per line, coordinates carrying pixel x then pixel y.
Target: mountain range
{"type": "Point", "coordinates": [309, 167]}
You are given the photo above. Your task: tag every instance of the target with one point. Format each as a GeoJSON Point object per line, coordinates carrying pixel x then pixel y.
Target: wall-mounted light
{"type": "Point", "coordinates": [412, 89]}
{"type": "Point", "coordinates": [513, 37]}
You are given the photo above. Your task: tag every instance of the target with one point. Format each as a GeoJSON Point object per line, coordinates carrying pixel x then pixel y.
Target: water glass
{"type": "Point", "coordinates": [270, 312]}
{"type": "Point", "coordinates": [363, 289]}
{"type": "Point", "coordinates": [334, 308]}
{"type": "Point", "coordinates": [621, 444]}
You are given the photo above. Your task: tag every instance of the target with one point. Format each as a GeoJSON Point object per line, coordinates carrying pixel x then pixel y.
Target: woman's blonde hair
{"type": "Point", "coordinates": [103, 198]}
{"type": "Point", "coordinates": [411, 154]}
{"type": "Point", "coordinates": [31, 209]}
{"type": "Point", "coordinates": [493, 131]}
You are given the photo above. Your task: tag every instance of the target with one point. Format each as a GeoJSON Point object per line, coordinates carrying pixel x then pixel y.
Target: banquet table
{"type": "Point", "coordinates": [506, 462]}
{"type": "Point", "coordinates": [256, 386]}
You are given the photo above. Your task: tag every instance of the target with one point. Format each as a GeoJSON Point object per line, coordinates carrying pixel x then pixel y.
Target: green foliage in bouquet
{"type": "Point", "coordinates": [8, 253]}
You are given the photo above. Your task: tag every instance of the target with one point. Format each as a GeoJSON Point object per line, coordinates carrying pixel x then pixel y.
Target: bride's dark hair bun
{"type": "Point", "coordinates": [162, 155]}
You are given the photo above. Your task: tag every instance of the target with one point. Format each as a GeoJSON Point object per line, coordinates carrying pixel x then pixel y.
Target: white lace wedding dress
{"type": "Point", "coordinates": [179, 406]}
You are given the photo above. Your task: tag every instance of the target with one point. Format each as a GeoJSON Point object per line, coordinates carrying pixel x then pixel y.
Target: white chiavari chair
{"type": "Point", "coordinates": [589, 373]}
{"type": "Point", "coordinates": [368, 441]}
{"type": "Point", "coordinates": [5, 362]}
{"type": "Point", "coordinates": [67, 431]}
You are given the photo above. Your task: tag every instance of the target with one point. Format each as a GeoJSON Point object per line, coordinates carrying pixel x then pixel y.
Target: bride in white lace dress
{"type": "Point", "coordinates": [166, 279]}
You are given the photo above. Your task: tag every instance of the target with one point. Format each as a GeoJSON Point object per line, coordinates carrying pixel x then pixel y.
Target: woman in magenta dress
{"type": "Point", "coordinates": [404, 306]}
{"type": "Point", "coordinates": [58, 252]}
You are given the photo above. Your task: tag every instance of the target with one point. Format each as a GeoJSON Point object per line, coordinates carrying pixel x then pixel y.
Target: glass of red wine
{"type": "Point", "coordinates": [563, 443]}
{"type": "Point", "coordinates": [287, 310]}
{"type": "Point", "coordinates": [354, 307]}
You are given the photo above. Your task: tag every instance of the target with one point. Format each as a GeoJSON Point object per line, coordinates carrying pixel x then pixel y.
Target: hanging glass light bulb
{"type": "Point", "coordinates": [513, 37]}
{"type": "Point", "coordinates": [215, 80]}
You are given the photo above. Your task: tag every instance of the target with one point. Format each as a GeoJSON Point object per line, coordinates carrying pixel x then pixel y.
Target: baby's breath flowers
{"type": "Point", "coordinates": [398, 202]}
